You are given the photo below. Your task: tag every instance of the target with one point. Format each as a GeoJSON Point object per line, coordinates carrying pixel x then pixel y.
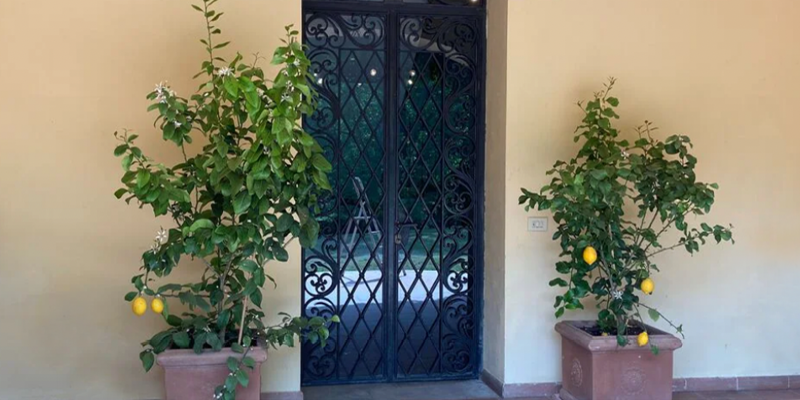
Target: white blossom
{"type": "Point", "coordinates": [161, 236]}
{"type": "Point", "coordinates": [161, 87]}
{"type": "Point", "coordinates": [177, 124]}
{"type": "Point", "coordinates": [260, 92]}
{"type": "Point", "coordinates": [285, 98]}
{"type": "Point", "coordinates": [162, 91]}
{"type": "Point", "coordinates": [625, 154]}
{"type": "Point", "coordinates": [285, 73]}
{"type": "Point", "coordinates": [296, 62]}
{"type": "Point", "coordinates": [225, 71]}
{"type": "Point", "coordinates": [155, 247]}
{"type": "Point", "coordinates": [616, 294]}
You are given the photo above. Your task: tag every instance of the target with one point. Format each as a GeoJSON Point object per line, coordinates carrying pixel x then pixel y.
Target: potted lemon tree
{"type": "Point", "coordinates": [614, 204]}
{"type": "Point", "coordinates": [235, 204]}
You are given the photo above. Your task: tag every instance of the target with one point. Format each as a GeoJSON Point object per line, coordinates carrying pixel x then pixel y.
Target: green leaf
{"type": "Point", "coordinates": [613, 101]}
{"type": "Point", "coordinates": [148, 359]}
{"type": "Point", "coordinates": [284, 222]}
{"type": "Point", "coordinates": [241, 376]}
{"type": "Point", "coordinates": [336, 319]}
{"type": "Point", "coordinates": [599, 174]}
{"type": "Point", "coordinates": [281, 254]}
{"type": "Point", "coordinates": [324, 334]}
{"type": "Point", "coordinates": [173, 320]}
{"type": "Point", "coordinates": [201, 224]}
{"type": "Point", "coordinates": [558, 282]}
{"type": "Point", "coordinates": [242, 202]}
{"type": "Point", "coordinates": [654, 314]}
{"type": "Point", "coordinates": [233, 364]}
{"type": "Point", "coordinates": [130, 296]}
{"type": "Point", "coordinates": [200, 341]}
{"type": "Point", "coordinates": [321, 163]}
{"type": "Point", "coordinates": [120, 150]}
{"type": "Point", "coordinates": [142, 178]}
{"type": "Point", "coordinates": [231, 86]}
{"type": "Point", "coordinates": [249, 362]}
{"type": "Point", "coordinates": [181, 339]}
{"type": "Point", "coordinates": [120, 192]}
{"type": "Point", "coordinates": [213, 341]}
{"type": "Point", "coordinates": [248, 266]}
{"type": "Point", "coordinates": [126, 162]}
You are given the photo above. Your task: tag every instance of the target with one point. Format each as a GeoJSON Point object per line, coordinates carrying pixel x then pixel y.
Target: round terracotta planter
{"type": "Point", "coordinates": [596, 368]}
{"type": "Point", "coordinates": [191, 376]}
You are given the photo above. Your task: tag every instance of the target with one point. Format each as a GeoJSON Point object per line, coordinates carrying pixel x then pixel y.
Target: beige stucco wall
{"type": "Point", "coordinates": [71, 74]}
{"type": "Point", "coordinates": [495, 187]}
{"type": "Point", "coordinates": [727, 73]}
{"type": "Point", "coordinates": [724, 72]}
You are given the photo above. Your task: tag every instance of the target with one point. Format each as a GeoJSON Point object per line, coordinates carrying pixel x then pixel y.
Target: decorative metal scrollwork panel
{"type": "Point", "coordinates": [438, 94]}
{"type": "Point", "coordinates": [344, 274]}
{"type": "Point", "coordinates": [399, 255]}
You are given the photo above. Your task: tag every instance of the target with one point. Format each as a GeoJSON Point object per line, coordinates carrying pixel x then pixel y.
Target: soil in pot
{"type": "Point", "coordinates": [595, 330]}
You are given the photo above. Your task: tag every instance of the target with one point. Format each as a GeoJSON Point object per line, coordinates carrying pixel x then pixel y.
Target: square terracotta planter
{"type": "Point", "coordinates": [190, 376]}
{"type": "Point", "coordinates": [596, 368]}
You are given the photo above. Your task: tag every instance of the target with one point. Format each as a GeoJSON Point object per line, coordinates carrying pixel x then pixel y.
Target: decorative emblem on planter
{"type": "Point", "coordinates": [576, 375]}
{"type": "Point", "coordinates": [633, 380]}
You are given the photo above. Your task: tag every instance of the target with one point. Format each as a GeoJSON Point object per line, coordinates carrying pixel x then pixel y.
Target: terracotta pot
{"type": "Point", "coordinates": [596, 368]}
{"type": "Point", "coordinates": [190, 376]}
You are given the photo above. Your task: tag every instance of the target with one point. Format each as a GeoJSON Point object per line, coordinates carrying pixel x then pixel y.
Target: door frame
{"type": "Point", "coordinates": [390, 9]}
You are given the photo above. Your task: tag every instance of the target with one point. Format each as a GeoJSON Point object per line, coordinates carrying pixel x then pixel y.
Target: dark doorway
{"type": "Point", "coordinates": [401, 117]}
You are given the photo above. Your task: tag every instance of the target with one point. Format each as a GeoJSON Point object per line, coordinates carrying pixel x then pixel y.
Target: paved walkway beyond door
{"type": "Point", "coordinates": [476, 390]}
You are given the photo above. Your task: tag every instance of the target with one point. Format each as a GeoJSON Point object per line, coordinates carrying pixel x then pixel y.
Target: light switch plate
{"type": "Point", "coordinates": [537, 224]}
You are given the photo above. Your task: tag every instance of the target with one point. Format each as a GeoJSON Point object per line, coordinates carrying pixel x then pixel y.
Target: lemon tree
{"type": "Point", "coordinates": [613, 204]}
{"type": "Point", "coordinates": [236, 203]}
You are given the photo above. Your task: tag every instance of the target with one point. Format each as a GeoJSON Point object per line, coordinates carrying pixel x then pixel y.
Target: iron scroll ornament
{"type": "Point", "coordinates": [422, 328]}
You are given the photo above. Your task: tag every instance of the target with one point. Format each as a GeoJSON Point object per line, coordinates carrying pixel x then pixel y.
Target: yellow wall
{"type": "Point", "coordinates": [71, 74]}
{"type": "Point", "coordinates": [727, 73]}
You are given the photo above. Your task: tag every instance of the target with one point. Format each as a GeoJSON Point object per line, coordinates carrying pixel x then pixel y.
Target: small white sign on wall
{"type": "Point", "coordinates": [537, 224]}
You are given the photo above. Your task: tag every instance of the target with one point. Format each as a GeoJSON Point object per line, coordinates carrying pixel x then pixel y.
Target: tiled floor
{"type": "Point", "coordinates": [746, 395]}
{"type": "Point", "coordinates": [475, 390]}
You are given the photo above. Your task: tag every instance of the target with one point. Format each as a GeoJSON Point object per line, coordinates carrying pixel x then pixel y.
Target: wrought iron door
{"type": "Point", "coordinates": [400, 252]}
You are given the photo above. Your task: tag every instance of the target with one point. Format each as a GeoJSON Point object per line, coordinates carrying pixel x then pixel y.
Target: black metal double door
{"type": "Point", "coordinates": [399, 258]}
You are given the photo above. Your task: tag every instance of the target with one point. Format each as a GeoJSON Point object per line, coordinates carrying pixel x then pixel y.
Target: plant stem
{"type": "Point", "coordinates": [221, 303]}
{"type": "Point", "coordinates": [241, 324]}
{"type": "Point", "coordinates": [677, 328]}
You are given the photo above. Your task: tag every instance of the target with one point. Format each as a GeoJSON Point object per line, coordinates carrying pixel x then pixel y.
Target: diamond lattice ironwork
{"type": "Point", "coordinates": [399, 250]}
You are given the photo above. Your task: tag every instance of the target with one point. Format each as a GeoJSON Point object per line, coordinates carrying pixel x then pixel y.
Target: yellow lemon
{"type": "Point", "coordinates": [643, 339]}
{"type": "Point", "coordinates": [648, 286]}
{"type": "Point", "coordinates": [157, 305]}
{"type": "Point", "coordinates": [139, 305]}
{"type": "Point", "coordinates": [604, 334]}
{"type": "Point", "coordinates": [590, 255]}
